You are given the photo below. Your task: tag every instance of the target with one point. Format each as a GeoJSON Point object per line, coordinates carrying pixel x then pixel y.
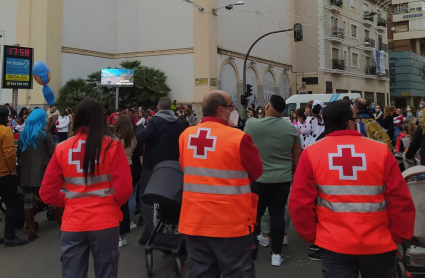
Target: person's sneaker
{"type": "Point", "coordinates": [120, 243]}
{"type": "Point", "coordinates": [277, 260]}
{"type": "Point", "coordinates": [264, 241]}
{"type": "Point", "coordinates": [133, 226]}
{"type": "Point", "coordinates": [285, 240]}
{"type": "Point", "coordinates": [13, 242]}
{"type": "Point", "coordinates": [314, 247]}
{"type": "Point", "coordinates": [316, 256]}
{"type": "Point", "coordinates": [124, 241]}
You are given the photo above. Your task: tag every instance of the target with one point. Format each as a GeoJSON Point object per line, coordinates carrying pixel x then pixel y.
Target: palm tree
{"type": "Point", "coordinates": [72, 92]}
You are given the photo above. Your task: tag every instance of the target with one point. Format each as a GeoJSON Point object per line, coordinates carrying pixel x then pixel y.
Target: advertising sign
{"type": "Point", "coordinates": [17, 67]}
{"type": "Point", "coordinates": [117, 77]}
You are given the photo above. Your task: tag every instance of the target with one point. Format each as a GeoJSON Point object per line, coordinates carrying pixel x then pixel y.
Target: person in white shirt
{"type": "Point", "coordinates": [314, 125]}
{"type": "Point", "coordinates": [62, 125]}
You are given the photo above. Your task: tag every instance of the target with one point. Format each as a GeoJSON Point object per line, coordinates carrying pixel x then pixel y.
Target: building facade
{"type": "Point", "coordinates": [198, 51]}
{"type": "Point", "coordinates": [337, 56]}
{"type": "Point", "coordinates": [406, 36]}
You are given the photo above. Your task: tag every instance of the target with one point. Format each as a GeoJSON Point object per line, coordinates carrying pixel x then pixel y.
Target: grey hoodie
{"type": "Point", "coordinates": [167, 115]}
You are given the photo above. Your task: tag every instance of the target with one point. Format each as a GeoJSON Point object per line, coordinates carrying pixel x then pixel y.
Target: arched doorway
{"type": "Point", "coordinates": [268, 87]}
{"type": "Point", "coordinates": [228, 82]}
{"type": "Point", "coordinates": [251, 78]}
{"type": "Point", "coordinates": [284, 86]}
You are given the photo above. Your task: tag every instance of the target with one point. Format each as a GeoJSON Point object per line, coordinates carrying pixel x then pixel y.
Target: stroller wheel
{"type": "Point", "coordinates": [2, 205]}
{"type": "Point", "coordinates": [149, 264]}
{"type": "Point", "coordinates": [49, 215]}
{"type": "Point", "coordinates": [20, 222]}
{"type": "Point", "coordinates": [178, 268]}
{"type": "Point", "coordinates": [401, 270]}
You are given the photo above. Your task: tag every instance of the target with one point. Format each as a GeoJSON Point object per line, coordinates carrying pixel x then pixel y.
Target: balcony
{"type": "Point", "coordinates": [337, 3]}
{"type": "Point", "coordinates": [370, 72]}
{"type": "Point", "coordinates": [382, 22]}
{"type": "Point", "coordinates": [383, 75]}
{"type": "Point", "coordinates": [368, 18]}
{"type": "Point", "coordinates": [369, 43]}
{"type": "Point", "coordinates": [383, 47]}
{"type": "Point", "coordinates": [338, 66]}
{"type": "Point", "coordinates": [337, 35]}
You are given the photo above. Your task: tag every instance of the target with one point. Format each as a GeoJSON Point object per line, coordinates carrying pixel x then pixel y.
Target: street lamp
{"type": "Point", "coordinates": [228, 7]}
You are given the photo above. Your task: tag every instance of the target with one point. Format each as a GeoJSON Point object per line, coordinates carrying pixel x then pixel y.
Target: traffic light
{"type": "Point", "coordinates": [248, 90]}
{"type": "Point", "coordinates": [298, 32]}
{"type": "Point", "coordinates": [243, 100]}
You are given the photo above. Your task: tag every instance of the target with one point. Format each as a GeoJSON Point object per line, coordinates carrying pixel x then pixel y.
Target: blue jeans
{"type": "Point", "coordinates": [132, 202]}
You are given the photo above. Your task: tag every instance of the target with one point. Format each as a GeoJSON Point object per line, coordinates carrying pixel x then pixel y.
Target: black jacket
{"type": "Point", "coordinates": [388, 124]}
{"type": "Point", "coordinates": [418, 142]}
{"type": "Point", "coordinates": [161, 138]}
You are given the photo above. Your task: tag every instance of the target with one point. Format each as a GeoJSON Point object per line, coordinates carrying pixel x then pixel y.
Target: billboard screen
{"type": "Point", "coordinates": [117, 77]}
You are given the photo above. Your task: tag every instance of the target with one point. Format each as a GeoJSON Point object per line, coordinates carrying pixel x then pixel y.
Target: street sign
{"type": "Point", "coordinates": [17, 67]}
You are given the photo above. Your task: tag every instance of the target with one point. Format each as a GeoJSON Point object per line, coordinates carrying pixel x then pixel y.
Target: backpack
{"type": "Point", "coordinates": [374, 131]}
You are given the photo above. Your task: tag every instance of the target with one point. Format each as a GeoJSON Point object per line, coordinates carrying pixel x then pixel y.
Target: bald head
{"type": "Point", "coordinates": [213, 100]}
{"type": "Point", "coordinates": [360, 104]}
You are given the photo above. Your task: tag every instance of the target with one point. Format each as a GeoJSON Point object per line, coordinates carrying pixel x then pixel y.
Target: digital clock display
{"type": "Point", "coordinates": [17, 67]}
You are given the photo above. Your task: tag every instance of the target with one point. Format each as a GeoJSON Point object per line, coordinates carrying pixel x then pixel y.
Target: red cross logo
{"type": "Point", "coordinates": [347, 162]}
{"type": "Point", "coordinates": [76, 156]}
{"type": "Point", "coordinates": [202, 142]}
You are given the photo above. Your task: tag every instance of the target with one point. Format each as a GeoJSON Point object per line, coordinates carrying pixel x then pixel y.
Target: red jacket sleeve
{"type": "Point", "coordinates": [302, 200]}
{"type": "Point", "coordinates": [121, 179]}
{"type": "Point", "coordinates": [53, 181]}
{"type": "Point", "coordinates": [400, 207]}
{"type": "Point", "coordinates": [251, 159]}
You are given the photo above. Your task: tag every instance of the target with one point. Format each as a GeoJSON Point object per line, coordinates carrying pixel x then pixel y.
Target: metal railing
{"type": "Point", "coordinates": [337, 3]}
{"type": "Point", "coordinates": [338, 64]}
{"type": "Point", "coordinates": [382, 22]}
{"type": "Point", "coordinates": [337, 32]}
{"type": "Point", "coordinates": [383, 46]}
{"type": "Point", "coordinates": [383, 75]}
{"type": "Point", "coordinates": [367, 16]}
{"type": "Point", "coordinates": [370, 41]}
{"type": "Point", "coordinates": [370, 70]}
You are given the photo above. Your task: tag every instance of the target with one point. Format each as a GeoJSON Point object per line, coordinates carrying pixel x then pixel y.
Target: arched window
{"type": "Point", "coordinates": [268, 87]}
{"type": "Point", "coordinates": [228, 82]}
{"type": "Point", "coordinates": [251, 78]}
{"type": "Point", "coordinates": [284, 86]}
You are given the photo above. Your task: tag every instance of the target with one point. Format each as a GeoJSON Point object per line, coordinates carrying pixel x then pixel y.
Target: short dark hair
{"type": "Point", "coordinates": [361, 103]}
{"type": "Point", "coordinates": [278, 103]}
{"type": "Point", "coordinates": [4, 114]}
{"type": "Point", "coordinates": [210, 105]}
{"type": "Point", "coordinates": [336, 115]}
{"type": "Point", "coordinates": [164, 103]}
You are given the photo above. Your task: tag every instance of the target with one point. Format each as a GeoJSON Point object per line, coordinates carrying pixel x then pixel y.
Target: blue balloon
{"type": "Point", "coordinates": [48, 95]}
{"type": "Point", "coordinates": [41, 73]}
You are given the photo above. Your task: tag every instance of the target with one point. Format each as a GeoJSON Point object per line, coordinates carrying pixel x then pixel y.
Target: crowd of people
{"type": "Point", "coordinates": [237, 184]}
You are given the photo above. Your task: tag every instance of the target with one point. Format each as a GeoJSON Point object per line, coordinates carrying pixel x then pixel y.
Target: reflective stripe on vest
{"type": "Point", "coordinates": [351, 189]}
{"type": "Point", "coordinates": [217, 189]}
{"type": "Point", "coordinates": [206, 172]}
{"type": "Point", "coordinates": [90, 180]}
{"type": "Point", "coordinates": [96, 193]}
{"type": "Point", "coordinates": [352, 207]}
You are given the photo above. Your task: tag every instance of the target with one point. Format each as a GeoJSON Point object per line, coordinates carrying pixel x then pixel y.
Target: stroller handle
{"type": "Point", "coordinates": [414, 171]}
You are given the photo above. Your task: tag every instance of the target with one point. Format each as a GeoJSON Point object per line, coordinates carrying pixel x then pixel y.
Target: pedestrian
{"type": "Point", "coordinates": [417, 144]}
{"type": "Point", "coordinates": [314, 125]}
{"type": "Point", "coordinates": [190, 117]}
{"type": "Point", "coordinates": [183, 119]}
{"type": "Point", "coordinates": [301, 118]}
{"type": "Point", "coordinates": [279, 145]}
{"type": "Point", "coordinates": [410, 116]}
{"type": "Point", "coordinates": [174, 106]}
{"type": "Point", "coordinates": [114, 117]}
{"type": "Point", "coordinates": [218, 209]}
{"type": "Point", "coordinates": [193, 113]}
{"type": "Point", "coordinates": [409, 131]}
{"type": "Point", "coordinates": [136, 172]}
{"type": "Point", "coordinates": [260, 112]}
{"type": "Point", "coordinates": [251, 114]}
{"type": "Point", "coordinates": [23, 114]}
{"type": "Point", "coordinates": [71, 122]}
{"type": "Point", "coordinates": [35, 148]}
{"type": "Point", "coordinates": [161, 139]}
{"type": "Point", "coordinates": [350, 199]}
{"type": "Point", "coordinates": [361, 108]}
{"type": "Point", "coordinates": [93, 168]}
{"type": "Point", "coordinates": [420, 111]}
{"type": "Point", "coordinates": [398, 123]}
{"type": "Point", "coordinates": [388, 122]}
{"type": "Point", "coordinates": [62, 124]}
{"type": "Point", "coordinates": [379, 114]}
{"type": "Point", "coordinates": [8, 181]}
{"type": "Point", "coordinates": [373, 108]}
{"type": "Point", "coordinates": [51, 122]}
{"type": "Point", "coordinates": [124, 131]}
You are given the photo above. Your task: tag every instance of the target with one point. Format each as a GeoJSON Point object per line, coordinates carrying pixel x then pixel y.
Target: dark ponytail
{"type": "Point", "coordinates": [89, 118]}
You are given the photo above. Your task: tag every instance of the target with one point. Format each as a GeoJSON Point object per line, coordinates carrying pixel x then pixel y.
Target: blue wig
{"type": "Point", "coordinates": [31, 134]}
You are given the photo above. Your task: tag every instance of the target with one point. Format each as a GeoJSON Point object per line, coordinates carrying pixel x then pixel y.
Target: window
{"type": "Point", "coordinates": [335, 53]}
{"type": "Point", "coordinates": [367, 61]}
{"type": "Point", "coordinates": [365, 7]}
{"type": "Point", "coordinates": [366, 34]}
{"type": "Point", "coordinates": [311, 80]}
{"type": "Point", "coordinates": [355, 60]}
{"type": "Point", "coordinates": [345, 57]}
{"type": "Point", "coordinates": [416, 24]}
{"type": "Point", "coordinates": [353, 4]}
{"type": "Point", "coordinates": [344, 27]}
{"type": "Point", "coordinates": [353, 31]}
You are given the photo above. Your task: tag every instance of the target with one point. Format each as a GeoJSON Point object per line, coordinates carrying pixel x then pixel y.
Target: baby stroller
{"type": "Point", "coordinates": [165, 189]}
{"type": "Point", "coordinates": [411, 254]}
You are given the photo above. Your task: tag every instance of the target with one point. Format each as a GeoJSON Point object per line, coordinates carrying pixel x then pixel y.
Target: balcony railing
{"type": "Point", "coordinates": [337, 3]}
{"type": "Point", "coordinates": [382, 22]}
{"type": "Point", "coordinates": [370, 41]}
{"type": "Point", "coordinates": [368, 16]}
{"type": "Point", "coordinates": [383, 75]}
{"type": "Point", "coordinates": [370, 70]}
{"type": "Point", "coordinates": [338, 64]}
{"type": "Point", "coordinates": [383, 47]}
{"type": "Point", "coordinates": [337, 33]}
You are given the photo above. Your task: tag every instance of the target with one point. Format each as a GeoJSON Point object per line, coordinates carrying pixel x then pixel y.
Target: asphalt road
{"type": "Point", "coordinates": [41, 257]}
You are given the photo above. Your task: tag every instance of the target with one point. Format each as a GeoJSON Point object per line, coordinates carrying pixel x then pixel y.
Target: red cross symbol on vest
{"type": "Point", "coordinates": [76, 156]}
{"type": "Point", "coordinates": [347, 162]}
{"type": "Point", "coordinates": [202, 142]}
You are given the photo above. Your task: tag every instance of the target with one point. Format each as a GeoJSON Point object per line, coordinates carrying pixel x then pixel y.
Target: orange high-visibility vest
{"type": "Point", "coordinates": [217, 198]}
{"type": "Point", "coordinates": [351, 206]}
{"type": "Point", "coordinates": [89, 205]}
